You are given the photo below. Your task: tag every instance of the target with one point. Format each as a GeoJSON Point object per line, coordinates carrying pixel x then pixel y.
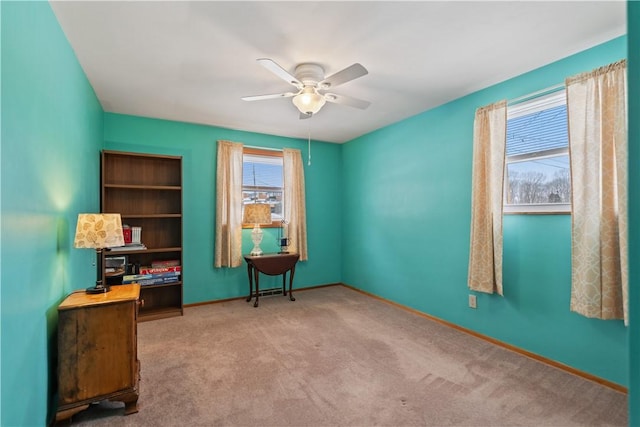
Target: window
{"type": "Point", "coordinates": [262, 181]}
{"type": "Point", "coordinates": [537, 178]}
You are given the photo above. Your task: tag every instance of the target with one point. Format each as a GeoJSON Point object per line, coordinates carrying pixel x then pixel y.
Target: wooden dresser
{"type": "Point", "coordinates": [97, 350]}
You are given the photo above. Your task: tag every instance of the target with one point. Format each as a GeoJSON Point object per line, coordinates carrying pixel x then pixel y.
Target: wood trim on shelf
{"type": "Point", "coordinates": [135, 154]}
{"type": "Point", "coordinates": [144, 187]}
{"type": "Point", "coordinates": [161, 285]}
{"type": "Point", "coordinates": [143, 251]}
{"type": "Point", "coordinates": [159, 216]}
{"type": "Point", "coordinates": [159, 313]}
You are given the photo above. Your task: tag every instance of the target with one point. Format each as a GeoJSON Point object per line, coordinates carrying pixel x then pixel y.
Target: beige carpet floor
{"type": "Point", "coordinates": [336, 357]}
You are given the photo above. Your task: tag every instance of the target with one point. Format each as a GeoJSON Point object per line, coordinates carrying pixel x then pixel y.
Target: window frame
{"type": "Point", "coordinates": [264, 153]}
{"type": "Point", "coordinates": [525, 107]}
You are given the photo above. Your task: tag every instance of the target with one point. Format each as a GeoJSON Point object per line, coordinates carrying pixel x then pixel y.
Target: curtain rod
{"type": "Point", "coordinates": [263, 148]}
{"type": "Point", "coordinates": [535, 94]}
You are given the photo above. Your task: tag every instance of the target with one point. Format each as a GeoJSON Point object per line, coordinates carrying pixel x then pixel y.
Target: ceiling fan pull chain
{"type": "Point", "coordinates": [309, 149]}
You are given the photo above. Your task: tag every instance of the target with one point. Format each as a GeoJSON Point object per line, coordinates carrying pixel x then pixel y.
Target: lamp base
{"type": "Point", "coordinates": [98, 290]}
{"type": "Point", "coordinates": [256, 237]}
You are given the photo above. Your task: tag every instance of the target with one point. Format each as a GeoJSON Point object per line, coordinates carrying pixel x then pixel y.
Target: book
{"type": "Point", "coordinates": [136, 233]}
{"type": "Point", "coordinates": [156, 270]}
{"type": "Point", "coordinates": [158, 281]}
{"type": "Point", "coordinates": [165, 263]}
{"type": "Point", "coordinates": [131, 278]}
{"type": "Point", "coordinates": [126, 233]}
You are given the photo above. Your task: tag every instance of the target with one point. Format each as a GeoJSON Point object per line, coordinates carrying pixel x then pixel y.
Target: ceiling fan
{"type": "Point", "coordinates": [313, 86]}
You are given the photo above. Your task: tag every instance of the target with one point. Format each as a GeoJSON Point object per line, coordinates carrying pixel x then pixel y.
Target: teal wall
{"type": "Point", "coordinates": [633, 25]}
{"type": "Point", "coordinates": [197, 145]}
{"type": "Point", "coordinates": [52, 126]}
{"type": "Point", "coordinates": [406, 223]}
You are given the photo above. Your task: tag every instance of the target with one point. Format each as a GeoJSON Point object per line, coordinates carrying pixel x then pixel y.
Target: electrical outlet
{"type": "Point", "coordinates": [472, 301]}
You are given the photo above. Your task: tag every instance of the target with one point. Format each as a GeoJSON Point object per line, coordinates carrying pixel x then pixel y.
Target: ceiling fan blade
{"type": "Point", "coordinates": [347, 100]}
{"type": "Point", "coordinates": [352, 72]}
{"type": "Point", "coordinates": [305, 116]}
{"type": "Point", "coordinates": [272, 96]}
{"type": "Point", "coordinates": [280, 72]}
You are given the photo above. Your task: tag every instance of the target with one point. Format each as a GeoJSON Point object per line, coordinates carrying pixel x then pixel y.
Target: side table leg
{"type": "Point", "coordinates": [257, 276]}
{"type": "Point", "coordinates": [250, 282]}
{"type": "Point", "coordinates": [293, 271]}
{"type": "Point", "coordinates": [284, 284]}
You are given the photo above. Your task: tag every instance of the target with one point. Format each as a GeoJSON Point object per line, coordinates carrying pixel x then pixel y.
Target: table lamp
{"type": "Point", "coordinates": [98, 231]}
{"type": "Point", "coordinates": [256, 214]}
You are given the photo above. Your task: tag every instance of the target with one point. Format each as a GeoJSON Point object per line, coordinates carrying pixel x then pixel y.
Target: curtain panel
{"type": "Point", "coordinates": [294, 199]}
{"type": "Point", "coordinates": [228, 239]}
{"type": "Point", "coordinates": [489, 142]}
{"type": "Point", "coordinates": [597, 110]}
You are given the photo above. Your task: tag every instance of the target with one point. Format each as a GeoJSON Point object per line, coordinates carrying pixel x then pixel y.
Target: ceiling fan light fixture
{"type": "Point", "coordinates": [308, 101]}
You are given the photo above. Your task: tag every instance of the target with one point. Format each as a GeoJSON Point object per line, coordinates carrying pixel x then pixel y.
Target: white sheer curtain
{"type": "Point", "coordinates": [489, 142]}
{"type": "Point", "coordinates": [228, 246]}
{"type": "Point", "coordinates": [596, 103]}
{"type": "Point", "coordinates": [294, 199]}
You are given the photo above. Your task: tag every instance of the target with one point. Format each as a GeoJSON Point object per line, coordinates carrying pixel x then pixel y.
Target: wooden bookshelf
{"type": "Point", "coordinates": [146, 190]}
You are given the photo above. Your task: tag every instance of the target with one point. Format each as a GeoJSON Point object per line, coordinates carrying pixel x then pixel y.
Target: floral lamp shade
{"type": "Point", "coordinates": [98, 231]}
{"type": "Point", "coordinates": [257, 213]}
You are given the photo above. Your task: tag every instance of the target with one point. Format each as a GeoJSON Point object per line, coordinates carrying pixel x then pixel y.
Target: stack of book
{"type": "Point", "coordinates": [164, 263]}
{"type": "Point", "coordinates": [154, 275]}
{"type": "Point", "coordinates": [131, 237]}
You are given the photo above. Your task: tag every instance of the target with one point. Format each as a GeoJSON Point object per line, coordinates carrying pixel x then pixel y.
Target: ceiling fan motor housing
{"type": "Point", "coordinates": [309, 74]}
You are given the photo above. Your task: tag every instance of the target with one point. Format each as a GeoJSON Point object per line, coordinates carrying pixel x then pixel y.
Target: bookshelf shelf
{"type": "Point", "coordinates": [146, 190]}
{"type": "Point", "coordinates": [176, 215]}
{"type": "Point", "coordinates": [145, 187]}
{"type": "Point", "coordinates": [158, 313]}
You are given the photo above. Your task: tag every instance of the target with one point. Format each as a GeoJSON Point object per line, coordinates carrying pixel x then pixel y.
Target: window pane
{"type": "Point", "coordinates": [540, 131]}
{"type": "Point", "coordinates": [273, 198]}
{"type": "Point", "coordinates": [537, 163]}
{"type": "Point", "coordinates": [262, 182]}
{"type": "Point", "coordinates": [541, 180]}
{"type": "Point", "coordinates": [258, 174]}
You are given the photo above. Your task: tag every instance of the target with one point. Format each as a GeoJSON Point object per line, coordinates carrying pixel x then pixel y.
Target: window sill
{"type": "Point", "coordinates": [538, 209]}
{"type": "Point", "coordinates": [274, 224]}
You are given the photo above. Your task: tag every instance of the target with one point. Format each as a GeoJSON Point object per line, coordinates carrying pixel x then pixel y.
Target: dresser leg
{"type": "Point", "coordinates": [131, 407]}
{"type": "Point", "coordinates": [64, 417]}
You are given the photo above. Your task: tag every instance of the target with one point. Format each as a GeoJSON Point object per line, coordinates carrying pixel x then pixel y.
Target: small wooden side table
{"type": "Point", "coordinates": [271, 265]}
{"type": "Point", "coordinates": [97, 350]}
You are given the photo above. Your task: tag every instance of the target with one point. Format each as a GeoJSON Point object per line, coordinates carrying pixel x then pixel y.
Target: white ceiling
{"type": "Point", "coordinates": [192, 61]}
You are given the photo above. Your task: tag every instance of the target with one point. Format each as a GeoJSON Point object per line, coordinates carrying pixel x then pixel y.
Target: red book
{"type": "Point", "coordinates": [126, 233]}
{"type": "Point", "coordinates": [165, 263]}
{"type": "Point", "coordinates": [156, 270]}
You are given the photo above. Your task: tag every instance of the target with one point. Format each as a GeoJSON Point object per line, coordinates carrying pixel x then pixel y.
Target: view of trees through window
{"type": "Point", "coordinates": [539, 181]}
{"type": "Point", "coordinates": [537, 164]}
